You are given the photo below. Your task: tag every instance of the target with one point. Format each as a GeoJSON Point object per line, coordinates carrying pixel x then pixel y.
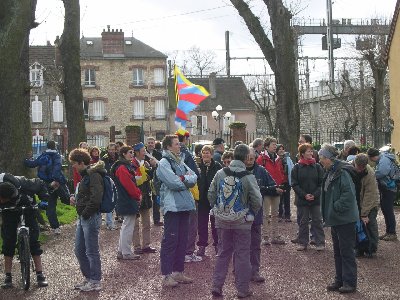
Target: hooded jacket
{"type": "Point", "coordinates": [49, 166]}
{"type": "Point", "coordinates": [251, 197]}
{"type": "Point", "coordinates": [273, 166]}
{"type": "Point", "coordinates": [338, 197]}
{"type": "Point", "coordinates": [383, 169]}
{"type": "Point", "coordinates": [90, 190]}
{"type": "Point", "coordinates": [369, 194]}
{"type": "Point", "coordinates": [174, 192]}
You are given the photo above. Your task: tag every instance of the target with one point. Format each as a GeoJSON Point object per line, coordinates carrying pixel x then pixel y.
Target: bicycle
{"type": "Point", "coordinates": [24, 252]}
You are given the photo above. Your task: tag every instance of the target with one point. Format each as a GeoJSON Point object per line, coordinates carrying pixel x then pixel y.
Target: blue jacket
{"type": "Point", "coordinates": [383, 169]}
{"type": "Point", "coordinates": [174, 193]}
{"type": "Point", "coordinates": [267, 187]}
{"type": "Point", "coordinates": [49, 166]}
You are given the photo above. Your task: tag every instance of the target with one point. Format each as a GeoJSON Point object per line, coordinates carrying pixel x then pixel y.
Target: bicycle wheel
{"type": "Point", "coordinates": [24, 258]}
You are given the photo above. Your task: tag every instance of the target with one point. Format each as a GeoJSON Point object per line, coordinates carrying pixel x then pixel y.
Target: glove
{"type": "Point", "coordinates": [43, 205]}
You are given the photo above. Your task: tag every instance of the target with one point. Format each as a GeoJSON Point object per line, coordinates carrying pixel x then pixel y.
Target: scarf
{"type": "Point", "coordinates": [177, 158]}
{"type": "Point", "coordinates": [307, 162]}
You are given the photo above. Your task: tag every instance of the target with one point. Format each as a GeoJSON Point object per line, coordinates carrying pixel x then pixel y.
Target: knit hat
{"type": "Point", "coordinates": [373, 152]}
{"type": "Point", "coordinates": [218, 141]}
{"type": "Point", "coordinates": [182, 132]}
{"type": "Point", "coordinates": [138, 146]}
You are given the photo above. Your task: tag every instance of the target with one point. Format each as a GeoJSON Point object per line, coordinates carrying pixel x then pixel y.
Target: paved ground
{"type": "Point", "coordinates": [290, 274]}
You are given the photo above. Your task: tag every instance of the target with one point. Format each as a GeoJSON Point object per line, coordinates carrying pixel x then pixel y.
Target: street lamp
{"type": "Point", "coordinates": [217, 116]}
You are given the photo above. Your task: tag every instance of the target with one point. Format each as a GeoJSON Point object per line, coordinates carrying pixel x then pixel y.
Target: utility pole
{"type": "Point", "coordinates": [307, 78]}
{"type": "Point", "coordinates": [228, 58]}
{"type": "Point", "coordinates": [329, 37]}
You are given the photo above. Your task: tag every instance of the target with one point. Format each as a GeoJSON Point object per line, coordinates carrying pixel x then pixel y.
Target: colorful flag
{"type": "Point", "coordinates": [188, 97]}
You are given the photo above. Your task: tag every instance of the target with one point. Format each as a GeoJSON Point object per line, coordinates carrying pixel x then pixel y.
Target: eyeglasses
{"type": "Point", "coordinates": [130, 152]}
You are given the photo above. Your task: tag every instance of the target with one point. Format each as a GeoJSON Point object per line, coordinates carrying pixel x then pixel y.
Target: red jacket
{"type": "Point", "coordinates": [274, 168]}
{"type": "Point", "coordinates": [77, 177]}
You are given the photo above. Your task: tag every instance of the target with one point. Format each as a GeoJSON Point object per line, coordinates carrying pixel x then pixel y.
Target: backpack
{"type": "Point", "coordinates": [229, 206]}
{"type": "Point", "coordinates": [157, 182]}
{"type": "Point", "coordinates": [394, 173]}
{"type": "Point", "coordinates": [110, 195]}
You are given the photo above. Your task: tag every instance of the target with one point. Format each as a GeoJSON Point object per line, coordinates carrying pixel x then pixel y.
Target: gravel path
{"type": "Point", "coordinates": [289, 274]}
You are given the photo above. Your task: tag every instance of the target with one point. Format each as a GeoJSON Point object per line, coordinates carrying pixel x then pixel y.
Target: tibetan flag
{"type": "Point", "coordinates": [188, 97]}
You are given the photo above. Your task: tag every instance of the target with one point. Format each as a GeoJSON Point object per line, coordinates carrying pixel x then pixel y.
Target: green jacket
{"type": "Point", "coordinates": [338, 197]}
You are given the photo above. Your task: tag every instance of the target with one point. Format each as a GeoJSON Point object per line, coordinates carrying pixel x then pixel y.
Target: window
{"type": "Point", "coordinates": [227, 122]}
{"type": "Point", "coordinates": [58, 110]}
{"type": "Point", "coordinates": [138, 77]}
{"type": "Point", "coordinates": [86, 109]}
{"type": "Point", "coordinates": [90, 77]}
{"type": "Point", "coordinates": [199, 125]}
{"type": "Point", "coordinates": [138, 109]}
{"type": "Point", "coordinates": [98, 110]}
{"type": "Point", "coordinates": [98, 140]}
{"type": "Point", "coordinates": [36, 75]}
{"type": "Point", "coordinates": [159, 78]}
{"type": "Point", "coordinates": [159, 109]}
{"type": "Point", "coordinates": [37, 110]}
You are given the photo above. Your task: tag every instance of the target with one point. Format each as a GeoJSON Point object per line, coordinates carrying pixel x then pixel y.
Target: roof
{"type": "Point", "coordinates": [44, 55]}
{"type": "Point", "coordinates": [133, 49]}
{"type": "Point", "coordinates": [232, 94]}
{"type": "Point", "coordinates": [392, 28]}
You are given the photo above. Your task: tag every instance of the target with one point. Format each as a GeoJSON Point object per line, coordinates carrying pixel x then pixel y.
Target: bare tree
{"type": "Point", "coordinates": [17, 18]}
{"type": "Point", "coordinates": [202, 62]}
{"type": "Point", "coordinates": [69, 46]}
{"type": "Point", "coordinates": [281, 59]}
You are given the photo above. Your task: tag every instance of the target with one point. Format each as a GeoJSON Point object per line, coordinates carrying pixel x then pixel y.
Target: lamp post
{"type": "Point", "coordinates": [217, 116]}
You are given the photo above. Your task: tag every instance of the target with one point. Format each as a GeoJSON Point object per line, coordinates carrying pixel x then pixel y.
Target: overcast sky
{"type": "Point", "coordinates": [179, 24]}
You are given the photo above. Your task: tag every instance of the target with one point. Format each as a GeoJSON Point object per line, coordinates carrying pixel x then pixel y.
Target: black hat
{"type": "Point", "coordinates": [218, 141]}
{"type": "Point", "coordinates": [51, 145]}
{"type": "Point", "coordinates": [373, 152]}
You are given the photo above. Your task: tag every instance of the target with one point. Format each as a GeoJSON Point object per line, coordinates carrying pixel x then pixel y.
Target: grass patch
{"type": "Point", "coordinates": [66, 215]}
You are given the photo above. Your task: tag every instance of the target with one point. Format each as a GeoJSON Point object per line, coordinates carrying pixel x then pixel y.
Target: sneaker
{"type": "Point", "coordinates": [78, 286]}
{"type": "Point", "coordinates": [91, 286]}
{"type": "Point", "coordinates": [295, 241]}
{"type": "Point", "coordinates": [278, 241]}
{"type": "Point", "coordinates": [130, 257]}
{"type": "Point", "coordinates": [181, 278]}
{"type": "Point", "coordinates": [111, 227]}
{"type": "Point", "coordinates": [201, 251]}
{"type": "Point", "coordinates": [138, 251]}
{"type": "Point", "coordinates": [390, 237]}
{"type": "Point", "coordinates": [57, 231]}
{"type": "Point", "coordinates": [320, 247]}
{"type": "Point", "coordinates": [41, 280]}
{"type": "Point", "coordinates": [381, 237]}
{"type": "Point", "coordinates": [192, 258]}
{"type": "Point", "coordinates": [7, 283]}
{"type": "Point", "coordinates": [301, 247]}
{"type": "Point", "coordinates": [312, 242]}
{"type": "Point", "coordinates": [216, 291]}
{"type": "Point", "coordinates": [149, 250]}
{"type": "Point", "coordinates": [257, 278]}
{"type": "Point", "coordinates": [266, 241]}
{"type": "Point", "coordinates": [335, 286]}
{"type": "Point", "coordinates": [346, 289]}
{"type": "Point", "coordinates": [119, 255]}
{"type": "Point", "coordinates": [168, 281]}
{"type": "Point", "coordinates": [244, 294]}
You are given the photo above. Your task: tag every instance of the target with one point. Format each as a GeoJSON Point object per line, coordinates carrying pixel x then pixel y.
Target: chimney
{"type": "Point", "coordinates": [113, 42]}
{"type": "Point", "coordinates": [212, 85]}
{"type": "Point", "coordinates": [57, 54]}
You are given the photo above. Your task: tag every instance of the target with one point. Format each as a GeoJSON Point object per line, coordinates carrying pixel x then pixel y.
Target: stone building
{"type": "Point", "coordinates": [124, 83]}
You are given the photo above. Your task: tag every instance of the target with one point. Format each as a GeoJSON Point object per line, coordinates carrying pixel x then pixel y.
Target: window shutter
{"type": "Point", "coordinates": [58, 111]}
{"type": "Point", "coordinates": [98, 110]}
{"type": "Point", "coordinates": [193, 130]}
{"type": "Point", "coordinates": [204, 123]}
{"type": "Point", "coordinates": [37, 110]}
{"type": "Point", "coordinates": [159, 76]}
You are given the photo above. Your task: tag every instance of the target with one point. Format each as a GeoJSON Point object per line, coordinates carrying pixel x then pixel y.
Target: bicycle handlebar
{"type": "Point", "coordinates": [19, 208]}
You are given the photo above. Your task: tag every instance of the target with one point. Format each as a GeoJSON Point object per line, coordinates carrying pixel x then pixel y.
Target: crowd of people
{"type": "Point", "coordinates": [241, 194]}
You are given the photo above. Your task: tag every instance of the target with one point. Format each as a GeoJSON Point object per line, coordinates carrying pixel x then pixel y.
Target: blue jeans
{"type": "Point", "coordinates": [87, 247]}
{"type": "Point", "coordinates": [387, 199]}
{"type": "Point", "coordinates": [110, 219]}
{"type": "Point", "coordinates": [344, 241]}
{"type": "Point", "coordinates": [173, 244]}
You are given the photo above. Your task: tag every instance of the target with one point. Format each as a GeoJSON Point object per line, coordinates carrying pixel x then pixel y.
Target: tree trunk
{"type": "Point", "coordinates": [281, 58]}
{"type": "Point", "coordinates": [70, 58]}
{"type": "Point", "coordinates": [16, 20]}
